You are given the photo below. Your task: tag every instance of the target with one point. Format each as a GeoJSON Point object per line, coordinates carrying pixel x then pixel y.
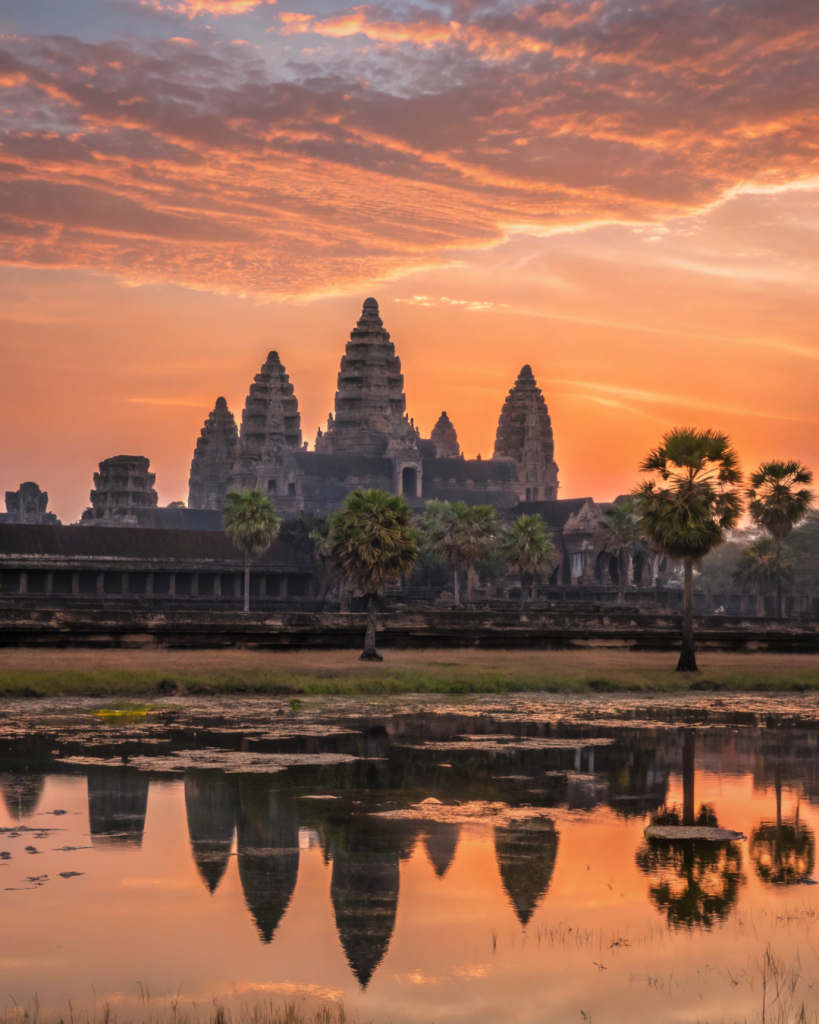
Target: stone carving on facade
{"type": "Point", "coordinates": [213, 459]}
{"type": "Point", "coordinates": [123, 483]}
{"type": "Point", "coordinates": [582, 541]}
{"type": "Point", "coordinates": [28, 506]}
{"type": "Point", "coordinates": [525, 435]}
{"type": "Point", "coordinates": [271, 429]}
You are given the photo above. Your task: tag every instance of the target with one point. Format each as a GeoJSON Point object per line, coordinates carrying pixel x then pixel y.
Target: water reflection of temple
{"type": "Point", "coordinates": [21, 793]}
{"type": "Point", "coordinates": [117, 804]}
{"type": "Point", "coordinates": [526, 859]}
{"type": "Point", "coordinates": [211, 803]}
{"type": "Point", "coordinates": [268, 852]}
{"type": "Point", "coordinates": [441, 842]}
{"type": "Point", "coordinates": [456, 759]}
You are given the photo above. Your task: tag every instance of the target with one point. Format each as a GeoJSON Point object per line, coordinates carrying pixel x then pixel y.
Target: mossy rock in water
{"type": "Point", "coordinates": [700, 832]}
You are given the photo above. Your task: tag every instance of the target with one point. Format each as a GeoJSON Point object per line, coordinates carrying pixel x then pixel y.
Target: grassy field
{"type": "Point", "coordinates": [29, 672]}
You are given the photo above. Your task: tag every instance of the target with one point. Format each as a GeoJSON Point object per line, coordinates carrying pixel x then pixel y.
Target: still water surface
{"type": "Point", "coordinates": [425, 861]}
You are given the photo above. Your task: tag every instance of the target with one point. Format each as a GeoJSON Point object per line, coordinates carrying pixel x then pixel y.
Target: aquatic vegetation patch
{"type": "Point", "coordinates": [229, 761]}
{"type": "Point", "coordinates": [477, 812]}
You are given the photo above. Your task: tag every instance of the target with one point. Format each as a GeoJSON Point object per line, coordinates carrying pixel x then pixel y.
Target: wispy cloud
{"type": "Point", "coordinates": [451, 126]}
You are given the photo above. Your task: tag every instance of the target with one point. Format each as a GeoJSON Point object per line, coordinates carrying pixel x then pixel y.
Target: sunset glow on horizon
{"type": "Point", "coordinates": [624, 196]}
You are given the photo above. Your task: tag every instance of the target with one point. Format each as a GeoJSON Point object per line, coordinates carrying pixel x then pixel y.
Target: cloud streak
{"type": "Point", "coordinates": [423, 133]}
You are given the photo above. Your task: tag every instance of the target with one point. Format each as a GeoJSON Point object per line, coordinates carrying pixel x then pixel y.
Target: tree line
{"type": "Point", "coordinates": [694, 495]}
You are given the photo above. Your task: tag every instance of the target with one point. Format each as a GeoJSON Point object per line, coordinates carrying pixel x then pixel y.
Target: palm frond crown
{"type": "Point", "coordinates": [372, 541]}
{"type": "Point", "coordinates": [250, 521]}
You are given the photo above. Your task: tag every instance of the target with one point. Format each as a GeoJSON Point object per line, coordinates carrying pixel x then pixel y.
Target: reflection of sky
{"type": "Point", "coordinates": [145, 914]}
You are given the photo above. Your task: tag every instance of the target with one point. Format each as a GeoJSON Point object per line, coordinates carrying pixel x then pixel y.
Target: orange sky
{"type": "Point", "coordinates": [625, 197]}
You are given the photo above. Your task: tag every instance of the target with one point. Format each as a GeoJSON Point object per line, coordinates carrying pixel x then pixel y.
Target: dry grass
{"type": "Point", "coordinates": [137, 672]}
{"type": "Point", "coordinates": [254, 1013]}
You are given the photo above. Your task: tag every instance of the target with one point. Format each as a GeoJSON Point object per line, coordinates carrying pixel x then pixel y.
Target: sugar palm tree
{"type": "Point", "coordinates": [688, 512]}
{"type": "Point", "coordinates": [460, 535]}
{"type": "Point", "coordinates": [526, 545]}
{"type": "Point", "coordinates": [252, 524]}
{"type": "Point", "coordinates": [777, 503]}
{"type": "Point", "coordinates": [756, 569]}
{"type": "Point", "coordinates": [372, 545]}
{"type": "Point", "coordinates": [621, 530]}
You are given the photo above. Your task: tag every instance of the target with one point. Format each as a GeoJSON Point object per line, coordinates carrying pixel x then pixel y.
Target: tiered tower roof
{"type": "Point", "coordinates": [445, 438]}
{"type": "Point", "coordinates": [124, 482]}
{"type": "Point", "coordinates": [213, 459]}
{"type": "Point", "coordinates": [271, 424]}
{"type": "Point", "coordinates": [370, 404]}
{"type": "Point", "coordinates": [524, 421]}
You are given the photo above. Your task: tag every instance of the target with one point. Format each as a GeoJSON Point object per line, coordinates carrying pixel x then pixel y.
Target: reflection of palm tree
{"type": "Point", "coordinates": [696, 883]}
{"type": "Point", "coordinates": [117, 804]}
{"type": "Point", "coordinates": [211, 805]}
{"type": "Point", "coordinates": [526, 858]}
{"type": "Point", "coordinates": [783, 852]}
{"type": "Point", "coordinates": [21, 793]}
{"type": "Point", "coordinates": [441, 841]}
{"type": "Point", "coordinates": [268, 853]}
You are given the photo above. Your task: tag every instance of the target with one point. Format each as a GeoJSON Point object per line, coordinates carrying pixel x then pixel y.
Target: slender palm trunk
{"type": "Point", "coordinates": [621, 578]}
{"type": "Point", "coordinates": [688, 655]}
{"type": "Point", "coordinates": [370, 653]}
{"type": "Point", "coordinates": [688, 778]}
{"type": "Point", "coordinates": [469, 584]}
{"type": "Point", "coordinates": [779, 576]}
{"type": "Point", "coordinates": [247, 583]}
{"type": "Point", "coordinates": [457, 587]}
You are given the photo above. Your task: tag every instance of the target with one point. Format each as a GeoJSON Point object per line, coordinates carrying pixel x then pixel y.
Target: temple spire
{"type": "Point", "coordinates": [525, 435]}
{"type": "Point", "coordinates": [370, 404]}
{"type": "Point", "coordinates": [271, 427]}
{"type": "Point", "coordinates": [445, 438]}
{"type": "Point", "coordinates": [213, 459]}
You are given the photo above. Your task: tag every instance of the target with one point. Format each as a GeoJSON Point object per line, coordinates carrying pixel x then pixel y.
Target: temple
{"type": "Point", "coordinates": [28, 506]}
{"type": "Point", "coordinates": [213, 459]}
{"type": "Point", "coordinates": [370, 440]}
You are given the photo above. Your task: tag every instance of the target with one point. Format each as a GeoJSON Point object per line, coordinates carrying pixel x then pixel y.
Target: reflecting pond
{"type": "Point", "coordinates": [419, 860]}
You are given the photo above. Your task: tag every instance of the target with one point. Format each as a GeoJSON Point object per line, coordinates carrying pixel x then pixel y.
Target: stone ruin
{"type": "Point", "coordinates": [271, 427]}
{"type": "Point", "coordinates": [213, 459]}
{"type": "Point", "coordinates": [124, 483]}
{"type": "Point", "coordinates": [444, 437]}
{"type": "Point", "coordinates": [28, 507]}
{"type": "Point", "coordinates": [370, 406]}
{"type": "Point", "coordinates": [525, 435]}
{"type": "Point", "coordinates": [370, 441]}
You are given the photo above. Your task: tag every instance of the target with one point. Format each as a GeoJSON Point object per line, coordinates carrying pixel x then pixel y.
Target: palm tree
{"type": "Point", "coordinates": [756, 569]}
{"type": "Point", "coordinates": [460, 535]}
{"type": "Point", "coordinates": [252, 524]}
{"type": "Point", "coordinates": [691, 514]}
{"type": "Point", "coordinates": [621, 530]}
{"type": "Point", "coordinates": [526, 545]}
{"type": "Point", "coordinates": [783, 852]}
{"type": "Point", "coordinates": [372, 544]}
{"type": "Point", "coordinates": [776, 505]}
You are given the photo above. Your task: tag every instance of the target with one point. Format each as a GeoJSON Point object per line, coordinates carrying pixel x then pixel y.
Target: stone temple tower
{"type": "Point", "coordinates": [271, 429]}
{"type": "Point", "coordinates": [445, 438]}
{"type": "Point", "coordinates": [525, 435]}
{"type": "Point", "coordinates": [213, 459]}
{"type": "Point", "coordinates": [370, 414]}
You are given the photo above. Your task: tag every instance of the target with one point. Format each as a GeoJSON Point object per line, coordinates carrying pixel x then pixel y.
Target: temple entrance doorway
{"type": "Point", "coordinates": [409, 481]}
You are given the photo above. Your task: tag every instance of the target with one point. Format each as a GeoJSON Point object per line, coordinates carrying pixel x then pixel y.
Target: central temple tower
{"type": "Point", "coordinates": [370, 409]}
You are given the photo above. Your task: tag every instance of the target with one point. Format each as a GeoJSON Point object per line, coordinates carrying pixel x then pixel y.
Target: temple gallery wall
{"type": "Point", "coordinates": [369, 440]}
